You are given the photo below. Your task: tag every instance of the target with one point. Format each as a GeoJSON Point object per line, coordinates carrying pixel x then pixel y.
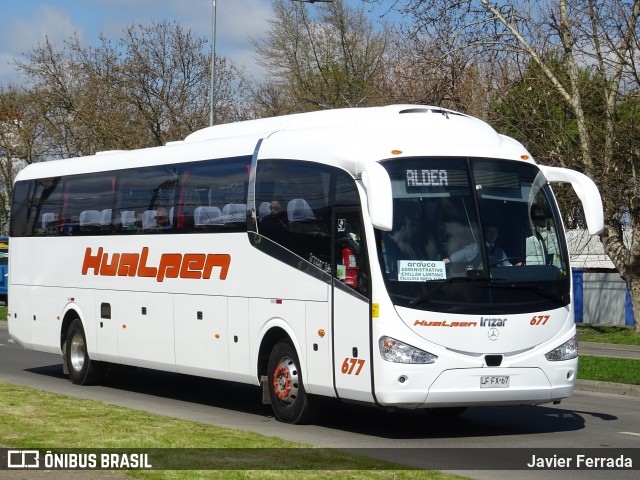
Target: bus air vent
{"type": "Point", "coordinates": [441, 111]}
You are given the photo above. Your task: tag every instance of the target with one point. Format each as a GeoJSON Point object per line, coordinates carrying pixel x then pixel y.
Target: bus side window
{"type": "Point", "coordinates": [301, 218]}
{"type": "Point", "coordinates": [47, 218]}
{"type": "Point", "coordinates": [295, 200]}
{"type": "Point", "coordinates": [350, 256]}
{"type": "Point", "coordinates": [212, 196]}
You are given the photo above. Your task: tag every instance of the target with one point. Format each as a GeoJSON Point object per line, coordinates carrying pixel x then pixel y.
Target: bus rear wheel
{"type": "Point", "coordinates": [82, 370]}
{"type": "Point", "coordinates": [289, 399]}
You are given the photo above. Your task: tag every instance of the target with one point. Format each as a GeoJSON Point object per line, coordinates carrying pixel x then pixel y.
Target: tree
{"type": "Point", "coordinates": [147, 88]}
{"type": "Point", "coordinates": [21, 132]}
{"type": "Point", "coordinates": [529, 108]}
{"type": "Point", "coordinates": [165, 74]}
{"type": "Point", "coordinates": [76, 90]}
{"type": "Point", "coordinates": [428, 69]}
{"type": "Point", "coordinates": [598, 36]}
{"type": "Point", "coordinates": [325, 57]}
{"type": "Point", "coordinates": [20, 141]}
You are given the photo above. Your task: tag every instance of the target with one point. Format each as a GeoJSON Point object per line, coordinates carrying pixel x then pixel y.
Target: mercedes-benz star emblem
{"type": "Point", "coordinates": [493, 334]}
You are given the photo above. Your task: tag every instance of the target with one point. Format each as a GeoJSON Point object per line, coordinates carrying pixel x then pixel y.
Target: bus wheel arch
{"type": "Point", "coordinates": [279, 366]}
{"type": "Point", "coordinates": [69, 317]}
{"type": "Point", "coordinates": [270, 339]}
{"type": "Point", "coordinates": [82, 370]}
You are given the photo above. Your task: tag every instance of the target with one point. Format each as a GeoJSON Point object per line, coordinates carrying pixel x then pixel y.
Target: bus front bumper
{"type": "Point", "coordinates": [483, 386]}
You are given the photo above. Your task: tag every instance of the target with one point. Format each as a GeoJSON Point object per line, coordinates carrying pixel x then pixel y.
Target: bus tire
{"type": "Point", "coordinates": [289, 399]}
{"type": "Point", "coordinates": [82, 370]}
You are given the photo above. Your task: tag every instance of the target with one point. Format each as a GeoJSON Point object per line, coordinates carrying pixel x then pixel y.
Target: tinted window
{"type": "Point", "coordinates": [294, 201]}
{"type": "Point", "coordinates": [213, 196]}
{"type": "Point", "coordinates": [43, 206]}
{"type": "Point", "coordinates": [473, 236]}
{"type": "Point", "coordinates": [184, 198]}
{"type": "Point", "coordinates": [87, 204]}
{"type": "Point", "coordinates": [145, 199]}
{"type": "Point", "coordinates": [21, 209]}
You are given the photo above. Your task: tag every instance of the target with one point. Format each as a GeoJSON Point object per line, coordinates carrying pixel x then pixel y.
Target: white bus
{"type": "Point", "coordinates": [321, 254]}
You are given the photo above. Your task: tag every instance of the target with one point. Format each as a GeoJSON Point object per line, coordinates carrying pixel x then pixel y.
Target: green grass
{"type": "Point", "coordinates": [3, 313]}
{"type": "Point", "coordinates": [608, 334]}
{"type": "Point", "coordinates": [605, 369]}
{"type": "Point", "coordinates": [31, 418]}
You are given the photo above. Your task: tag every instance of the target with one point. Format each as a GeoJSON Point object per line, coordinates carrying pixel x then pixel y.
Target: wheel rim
{"type": "Point", "coordinates": [77, 352]}
{"type": "Point", "coordinates": [286, 381]}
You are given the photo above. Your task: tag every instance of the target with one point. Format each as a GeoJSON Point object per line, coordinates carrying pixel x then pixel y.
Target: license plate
{"type": "Point", "coordinates": [494, 381]}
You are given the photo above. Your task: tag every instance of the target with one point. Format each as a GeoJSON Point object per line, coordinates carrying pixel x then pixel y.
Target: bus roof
{"type": "Point", "coordinates": [347, 138]}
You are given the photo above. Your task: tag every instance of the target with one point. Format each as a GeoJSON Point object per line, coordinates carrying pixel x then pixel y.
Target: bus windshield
{"type": "Point", "coordinates": [473, 235]}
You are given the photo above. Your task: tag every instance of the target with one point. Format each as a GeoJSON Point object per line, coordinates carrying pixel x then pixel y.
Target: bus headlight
{"type": "Point", "coordinates": [393, 350]}
{"type": "Point", "coordinates": [566, 351]}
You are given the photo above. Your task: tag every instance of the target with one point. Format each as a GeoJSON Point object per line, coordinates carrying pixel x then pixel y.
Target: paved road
{"type": "Point", "coordinates": [609, 350]}
{"type": "Point", "coordinates": [587, 420]}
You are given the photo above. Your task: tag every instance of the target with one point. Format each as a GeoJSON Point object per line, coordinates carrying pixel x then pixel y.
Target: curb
{"type": "Point", "coordinates": [608, 387]}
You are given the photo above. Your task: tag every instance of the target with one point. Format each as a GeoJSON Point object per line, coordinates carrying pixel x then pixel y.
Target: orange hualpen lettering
{"type": "Point", "coordinates": [91, 261]}
{"type": "Point", "coordinates": [445, 323]}
{"type": "Point", "coordinates": [192, 265]}
{"type": "Point", "coordinates": [171, 265]}
{"type": "Point", "coordinates": [217, 260]}
{"type": "Point", "coordinates": [128, 265]}
{"type": "Point", "coordinates": [143, 270]}
{"type": "Point", "coordinates": [109, 269]}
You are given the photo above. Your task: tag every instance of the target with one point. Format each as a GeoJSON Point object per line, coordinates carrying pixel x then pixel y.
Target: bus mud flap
{"type": "Point", "coordinates": [65, 368]}
{"type": "Point", "coordinates": [264, 381]}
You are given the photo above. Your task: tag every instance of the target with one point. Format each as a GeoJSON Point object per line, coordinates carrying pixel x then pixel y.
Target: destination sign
{"type": "Point", "coordinates": [427, 178]}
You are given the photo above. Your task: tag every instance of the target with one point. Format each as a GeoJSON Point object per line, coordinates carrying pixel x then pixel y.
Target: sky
{"type": "Point", "coordinates": [25, 23]}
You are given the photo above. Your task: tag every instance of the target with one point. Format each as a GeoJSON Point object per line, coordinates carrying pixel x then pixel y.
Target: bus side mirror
{"type": "Point", "coordinates": [587, 192]}
{"type": "Point", "coordinates": [379, 198]}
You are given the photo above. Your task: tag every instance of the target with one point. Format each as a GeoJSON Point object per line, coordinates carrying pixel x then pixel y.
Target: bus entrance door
{"type": "Point", "coordinates": [351, 319]}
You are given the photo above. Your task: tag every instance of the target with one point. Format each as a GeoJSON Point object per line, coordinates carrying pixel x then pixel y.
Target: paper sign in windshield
{"type": "Point", "coordinates": [420, 270]}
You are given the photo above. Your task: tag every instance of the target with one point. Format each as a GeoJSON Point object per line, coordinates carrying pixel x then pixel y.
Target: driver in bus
{"type": "Point", "coordinates": [469, 253]}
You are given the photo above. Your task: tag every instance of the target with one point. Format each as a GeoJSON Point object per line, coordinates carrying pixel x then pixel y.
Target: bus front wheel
{"type": "Point", "coordinates": [82, 370]}
{"type": "Point", "coordinates": [289, 400]}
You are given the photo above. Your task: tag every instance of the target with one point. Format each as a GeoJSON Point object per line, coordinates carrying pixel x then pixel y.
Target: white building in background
{"type": "Point", "coordinates": [587, 252]}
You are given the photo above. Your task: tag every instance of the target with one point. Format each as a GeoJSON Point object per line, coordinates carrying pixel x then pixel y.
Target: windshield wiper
{"type": "Point", "coordinates": [423, 297]}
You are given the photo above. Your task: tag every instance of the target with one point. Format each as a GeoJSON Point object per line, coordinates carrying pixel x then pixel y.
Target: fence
{"type": "Point", "coordinates": [601, 298]}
